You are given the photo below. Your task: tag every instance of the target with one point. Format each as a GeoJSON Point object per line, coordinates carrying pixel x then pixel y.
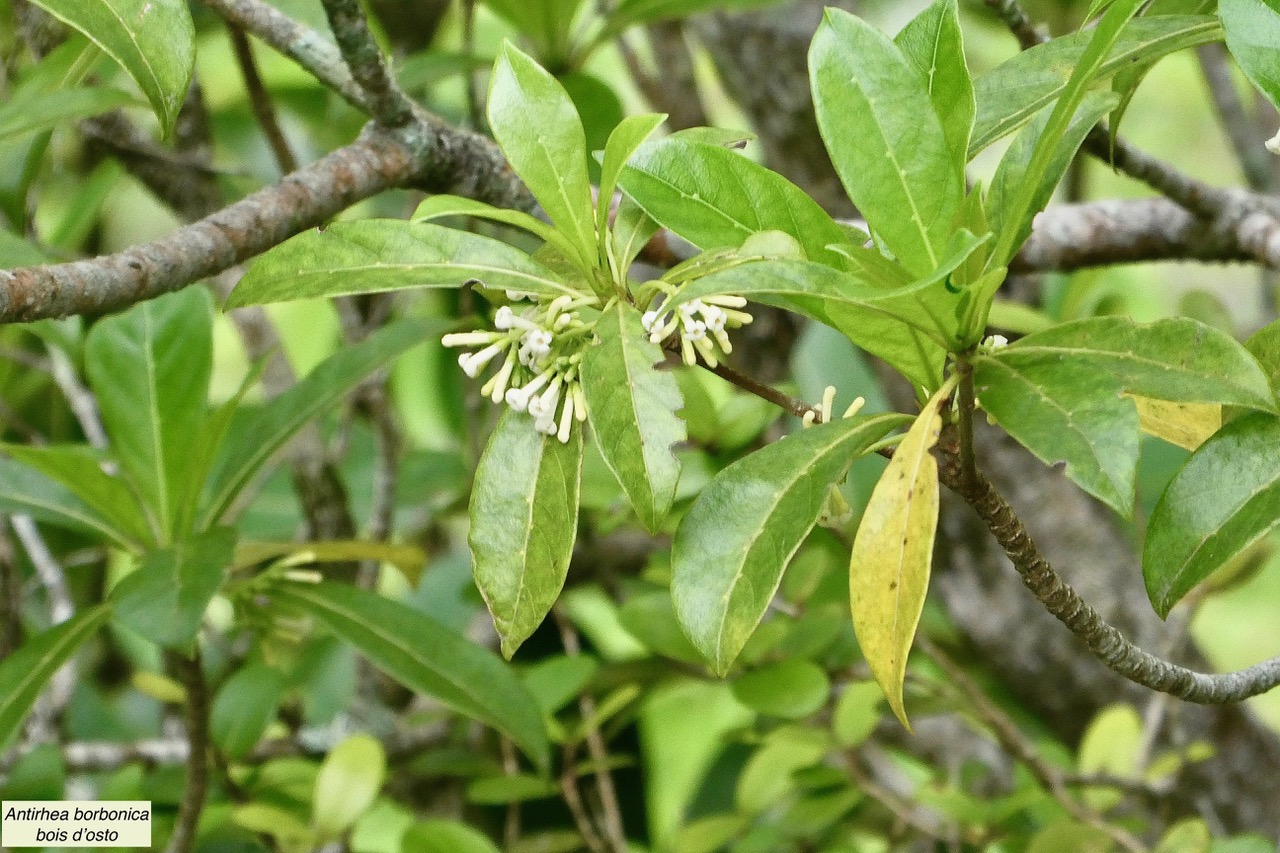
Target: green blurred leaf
{"type": "Point", "coordinates": [524, 511]}
{"type": "Point", "coordinates": [630, 133]}
{"type": "Point", "coordinates": [933, 43]}
{"type": "Point", "coordinates": [538, 128]}
{"type": "Point", "coordinates": [651, 619]}
{"type": "Point", "coordinates": [555, 681]}
{"type": "Point", "coordinates": [885, 139]}
{"type": "Point", "coordinates": [857, 712]}
{"type": "Point", "coordinates": [1224, 499]}
{"type": "Point", "coordinates": [409, 559]}
{"type": "Point", "coordinates": [24, 672]}
{"type": "Point", "coordinates": [893, 553]}
{"type": "Point", "coordinates": [632, 407]}
{"type": "Point", "coordinates": [600, 110]}
{"type": "Point", "coordinates": [425, 656]}
{"type": "Point", "coordinates": [153, 40]}
{"type": "Point", "coordinates": [792, 689]}
{"type": "Point", "coordinates": [733, 544]}
{"type": "Point", "coordinates": [1186, 836]}
{"type": "Point", "coordinates": [149, 369]}
{"type": "Point", "coordinates": [164, 599]}
{"type": "Point", "coordinates": [769, 774]}
{"type": "Point", "coordinates": [445, 836]}
{"type": "Point", "coordinates": [500, 790]}
{"type": "Point", "coordinates": [44, 499]}
{"type": "Point", "coordinates": [1009, 95]}
{"type": "Point", "coordinates": [48, 110]}
{"type": "Point", "coordinates": [245, 705]}
{"type": "Point", "coordinates": [256, 434]}
{"type": "Point", "coordinates": [349, 781]}
{"type": "Point", "coordinates": [79, 469]}
{"type": "Point", "coordinates": [373, 255]}
{"type": "Point", "coordinates": [629, 13]}
{"type": "Point", "coordinates": [546, 23]}
{"type": "Point", "coordinates": [717, 198]}
{"type": "Point", "coordinates": [1265, 347]}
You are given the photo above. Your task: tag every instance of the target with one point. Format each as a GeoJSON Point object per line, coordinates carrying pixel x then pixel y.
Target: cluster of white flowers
{"type": "Point", "coordinates": [543, 353]}
{"type": "Point", "coordinates": [701, 324]}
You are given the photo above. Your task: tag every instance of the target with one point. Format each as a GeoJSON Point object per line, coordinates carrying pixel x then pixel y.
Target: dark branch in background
{"type": "Point", "coordinates": [10, 593]}
{"type": "Point", "coordinates": [1246, 141]}
{"type": "Point", "coordinates": [260, 101]}
{"type": "Point", "coordinates": [389, 105]}
{"type": "Point", "coordinates": [1016, 19]}
{"type": "Point", "coordinates": [196, 786]}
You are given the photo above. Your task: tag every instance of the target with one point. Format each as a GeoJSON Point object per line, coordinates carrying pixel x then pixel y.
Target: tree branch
{"type": "Point", "coordinates": [196, 786]}
{"type": "Point", "coordinates": [388, 104]}
{"type": "Point", "coordinates": [260, 101]}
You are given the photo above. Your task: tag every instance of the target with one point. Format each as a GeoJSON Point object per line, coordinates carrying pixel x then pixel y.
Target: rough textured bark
{"type": "Point", "coordinates": [762, 59]}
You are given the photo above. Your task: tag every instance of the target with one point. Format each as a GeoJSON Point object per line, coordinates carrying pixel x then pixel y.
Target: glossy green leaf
{"type": "Point", "coordinates": [1067, 411]}
{"type": "Point", "coordinates": [445, 836]}
{"type": "Point", "coordinates": [26, 490]}
{"type": "Point", "coordinates": [630, 133]}
{"type": "Point", "coordinates": [932, 42]}
{"type": "Point", "coordinates": [893, 553]}
{"type": "Point", "coordinates": [716, 198]}
{"type": "Point", "coordinates": [907, 327]}
{"type": "Point", "coordinates": [885, 139]}
{"type": "Point", "coordinates": [1253, 31]}
{"type": "Point", "coordinates": [1264, 345]}
{"type": "Point", "coordinates": [1019, 204]}
{"type": "Point", "coordinates": [164, 599]}
{"type": "Point", "coordinates": [632, 230]}
{"type": "Point", "coordinates": [153, 40]}
{"type": "Point", "coordinates": [348, 782]}
{"type": "Point", "coordinates": [149, 369]}
{"type": "Point", "coordinates": [524, 511]}
{"type": "Point", "coordinates": [373, 255]}
{"type": "Point", "coordinates": [24, 672]}
{"type": "Point", "coordinates": [1224, 498]}
{"type": "Point", "coordinates": [735, 541]}
{"type": "Point", "coordinates": [1012, 171]}
{"type": "Point", "coordinates": [245, 705]}
{"type": "Point", "coordinates": [1177, 359]}
{"type": "Point", "coordinates": [256, 434]}
{"type": "Point", "coordinates": [438, 206]}
{"type": "Point", "coordinates": [632, 409]}
{"type": "Point", "coordinates": [538, 128]}
{"type": "Point", "coordinates": [422, 654]}
{"type": "Point", "coordinates": [1009, 95]}
{"type": "Point", "coordinates": [792, 689]}
{"type": "Point", "coordinates": [79, 469]}
{"type": "Point", "coordinates": [48, 110]}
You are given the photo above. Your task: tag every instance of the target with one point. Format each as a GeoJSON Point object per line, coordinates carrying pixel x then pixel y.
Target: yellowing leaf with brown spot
{"type": "Point", "coordinates": [893, 553]}
{"type": "Point", "coordinates": [1187, 425]}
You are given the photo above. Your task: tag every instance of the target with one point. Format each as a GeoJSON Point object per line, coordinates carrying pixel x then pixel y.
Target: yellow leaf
{"type": "Point", "coordinates": [1184, 424]}
{"type": "Point", "coordinates": [158, 686]}
{"type": "Point", "coordinates": [893, 552]}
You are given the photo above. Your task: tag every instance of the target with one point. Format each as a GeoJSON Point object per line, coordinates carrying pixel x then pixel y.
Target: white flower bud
{"type": "Point", "coordinates": [504, 318]}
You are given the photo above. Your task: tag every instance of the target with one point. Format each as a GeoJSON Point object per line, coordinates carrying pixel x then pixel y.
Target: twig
{"type": "Point", "coordinates": [1245, 139]}
{"type": "Point", "coordinates": [196, 786]}
{"type": "Point", "coordinates": [925, 824]}
{"type": "Point", "coordinates": [260, 101]}
{"type": "Point", "coordinates": [967, 403]}
{"type": "Point", "coordinates": [1015, 743]}
{"type": "Point", "coordinates": [387, 103]}
{"type": "Point", "coordinates": [510, 766]}
{"type": "Point", "coordinates": [79, 398]}
{"type": "Point", "coordinates": [1018, 22]}
{"type": "Point", "coordinates": [611, 814]}
{"type": "Point", "coordinates": [573, 799]}
{"type": "Point", "coordinates": [10, 594]}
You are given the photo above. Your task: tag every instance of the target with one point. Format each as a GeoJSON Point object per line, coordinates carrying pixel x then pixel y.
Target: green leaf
{"type": "Point", "coordinates": [791, 689]}
{"type": "Point", "coordinates": [1067, 411]}
{"type": "Point", "coordinates": [1252, 32]}
{"type": "Point", "coordinates": [1011, 174]}
{"type": "Point", "coordinates": [165, 598]}
{"type": "Point", "coordinates": [445, 836]}
{"type": "Point", "coordinates": [538, 128]}
{"type": "Point", "coordinates": [632, 408]}
{"type": "Point", "coordinates": [438, 206]}
{"type": "Point", "coordinates": [885, 139]}
{"type": "Point", "coordinates": [79, 468]}
{"type": "Point", "coordinates": [524, 511]}
{"type": "Point", "coordinates": [1020, 204]}
{"type": "Point", "coordinates": [424, 655]}
{"type": "Point", "coordinates": [629, 13]}
{"type": "Point", "coordinates": [149, 368]}
{"type": "Point", "coordinates": [48, 110]}
{"type": "Point", "coordinates": [632, 230]}
{"type": "Point", "coordinates": [373, 255]}
{"type": "Point", "coordinates": [907, 327]}
{"type": "Point", "coordinates": [717, 198]}
{"type": "Point", "coordinates": [735, 541]}
{"type": "Point", "coordinates": [501, 790]}
{"type": "Point", "coordinates": [555, 681]}
{"type": "Point", "coordinates": [933, 43]}
{"type": "Point", "coordinates": [348, 782]}
{"type": "Point", "coordinates": [28, 491]}
{"type": "Point", "coordinates": [255, 435]}
{"type": "Point", "coordinates": [893, 553]}
{"type": "Point", "coordinates": [245, 705]}
{"type": "Point", "coordinates": [24, 672]}
{"type": "Point", "coordinates": [153, 40]}
{"type": "Point", "coordinates": [1009, 95]}
{"type": "Point", "coordinates": [546, 23]}
{"type": "Point", "coordinates": [1176, 359]}
{"type": "Point", "coordinates": [1224, 499]}
{"type": "Point", "coordinates": [1265, 347]}
{"type": "Point", "coordinates": [623, 142]}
